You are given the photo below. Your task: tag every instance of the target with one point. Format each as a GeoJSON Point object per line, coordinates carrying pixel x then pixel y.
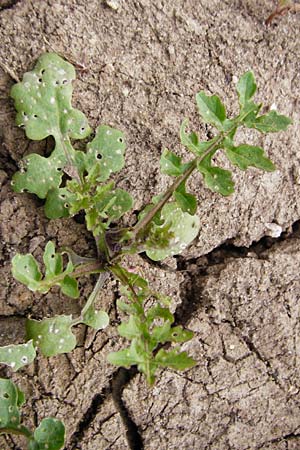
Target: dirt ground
{"type": "Point", "coordinates": [139, 66]}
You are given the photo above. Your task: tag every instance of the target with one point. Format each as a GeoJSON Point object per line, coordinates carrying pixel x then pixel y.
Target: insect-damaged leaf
{"type": "Point", "coordinates": [211, 109]}
{"type": "Point", "coordinates": [52, 336]}
{"type": "Point", "coordinates": [182, 227]}
{"type": "Point", "coordinates": [43, 104]}
{"type": "Point", "coordinates": [245, 156]}
{"type": "Point", "coordinates": [246, 88]}
{"type": "Point", "coordinates": [17, 356]}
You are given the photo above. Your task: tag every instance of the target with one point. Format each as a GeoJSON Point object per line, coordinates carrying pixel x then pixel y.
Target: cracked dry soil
{"type": "Point", "coordinates": [236, 288]}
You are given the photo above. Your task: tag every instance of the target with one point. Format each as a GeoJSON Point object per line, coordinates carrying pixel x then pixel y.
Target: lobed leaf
{"type": "Point", "coordinates": [170, 164]}
{"type": "Point", "coordinates": [43, 104]}
{"type": "Point", "coordinates": [191, 141]}
{"type": "Point", "coordinates": [52, 336]}
{"type": "Point", "coordinates": [175, 359]}
{"type": "Point", "coordinates": [17, 356]}
{"type": "Point", "coordinates": [270, 123]}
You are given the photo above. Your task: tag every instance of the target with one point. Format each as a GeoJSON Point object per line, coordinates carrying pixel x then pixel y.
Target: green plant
{"type": "Point", "coordinates": [49, 435]}
{"type": "Point", "coordinates": [71, 181]}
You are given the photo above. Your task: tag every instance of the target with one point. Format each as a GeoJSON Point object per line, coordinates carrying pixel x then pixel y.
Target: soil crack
{"type": "Point", "coordinates": [119, 382]}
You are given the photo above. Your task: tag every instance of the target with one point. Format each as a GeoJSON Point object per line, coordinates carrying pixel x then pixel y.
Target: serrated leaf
{"type": "Point", "coordinates": [211, 109]}
{"type": "Point", "coordinates": [69, 287]}
{"type": "Point", "coordinates": [49, 435]}
{"type": "Point", "coordinates": [96, 319]}
{"type": "Point", "coordinates": [17, 356]}
{"type": "Point", "coordinates": [170, 164]}
{"type": "Point", "coordinates": [246, 88]}
{"type": "Point", "coordinates": [270, 123]}
{"type": "Point", "coordinates": [52, 336]}
{"type": "Point", "coordinates": [43, 104]}
{"type": "Point", "coordinates": [106, 150]}
{"type": "Point", "coordinates": [187, 202]}
{"type": "Point", "coordinates": [26, 270]}
{"type": "Point", "coordinates": [245, 156]}
{"type": "Point", "coordinates": [174, 359]}
{"type": "Point", "coordinates": [183, 227]}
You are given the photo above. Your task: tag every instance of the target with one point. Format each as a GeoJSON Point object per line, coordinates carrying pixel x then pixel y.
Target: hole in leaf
{"type": "Point", "coordinates": [40, 80]}
{"type": "Point", "coordinates": [120, 140]}
{"type": "Point", "coordinates": [64, 81]}
{"type": "Point", "coordinates": [99, 156]}
{"type": "Point", "coordinates": [66, 205]}
{"type": "Point", "coordinates": [35, 116]}
{"type": "Point", "coordinates": [58, 169]}
{"type": "Point", "coordinates": [53, 255]}
{"type": "Point", "coordinates": [42, 71]}
{"type": "Point", "coordinates": [5, 395]}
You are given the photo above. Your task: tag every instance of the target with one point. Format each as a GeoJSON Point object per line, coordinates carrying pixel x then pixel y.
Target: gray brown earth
{"type": "Point", "coordinates": [139, 66]}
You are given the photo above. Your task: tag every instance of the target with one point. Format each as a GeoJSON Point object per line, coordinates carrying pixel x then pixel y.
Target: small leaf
{"type": "Point", "coordinates": [271, 123]}
{"type": "Point", "coordinates": [58, 202]}
{"type": "Point", "coordinates": [53, 261]}
{"type": "Point", "coordinates": [216, 179]}
{"type": "Point", "coordinates": [211, 109]}
{"type": "Point", "coordinates": [123, 358]}
{"type": "Point", "coordinates": [246, 88]}
{"type": "Point", "coordinates": [174, 359]}
{"type": "Point", "coordinates": [96, 319]}
{"type": "Point", "coordinates": [170, 164]}
{"type": "Point", "coordinates": [50, 435]}
{"type": "Point", "coordinates": [187, 202]}
{"type": "Point", "coordinates": [106, 150]}
{"type": "Point", "coordinates": [17, 356]}
{"type": "Point", "coordinates": [120, 202]}
{"type": "Point", "coordinates": [191, 141]}
{"type": "Point", "coordinates": [69, 287]}
{"type": "Point", "coordinates": [245, 155]}
{"type": "Point", "coordinates": [182, 226]}
{"type": "Point", "coordinates": [52, 336]}
{"type": "Point", "coordinates": [26, 270]}
{"type": "Point", "coordinates": [132, 329]}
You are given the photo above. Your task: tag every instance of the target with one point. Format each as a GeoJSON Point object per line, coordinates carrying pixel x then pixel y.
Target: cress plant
{"type": "Point", "coordinates": [71, 181]}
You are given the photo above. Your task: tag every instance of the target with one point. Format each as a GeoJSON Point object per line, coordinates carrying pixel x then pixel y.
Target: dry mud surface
{"type": "Point", "coordinates": [235, 287]}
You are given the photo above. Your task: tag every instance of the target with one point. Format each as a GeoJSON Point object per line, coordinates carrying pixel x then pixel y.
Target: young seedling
{"type": "Point", "coordinates": [72, 181]}
{"type": "Point", "coordinates": [49, 435]}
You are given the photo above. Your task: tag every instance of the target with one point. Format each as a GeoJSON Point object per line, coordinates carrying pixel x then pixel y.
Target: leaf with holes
{"type": "Point", "coordinates": [107, 151]}
{"type": "Point", "coordinates": [10, 400]}
{"type": "Point", "coordinates": [43, 104]}
{"type": "Point", "coordinates": [17, 356]}
{"type": "Point", "coordinates": [52, 336]}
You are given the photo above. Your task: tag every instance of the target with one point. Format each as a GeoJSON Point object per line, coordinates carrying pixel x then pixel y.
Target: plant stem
{"type": "Point", "coordinates": [181, 179]}
{"type": "Point", "coordinates": [93, 296]}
